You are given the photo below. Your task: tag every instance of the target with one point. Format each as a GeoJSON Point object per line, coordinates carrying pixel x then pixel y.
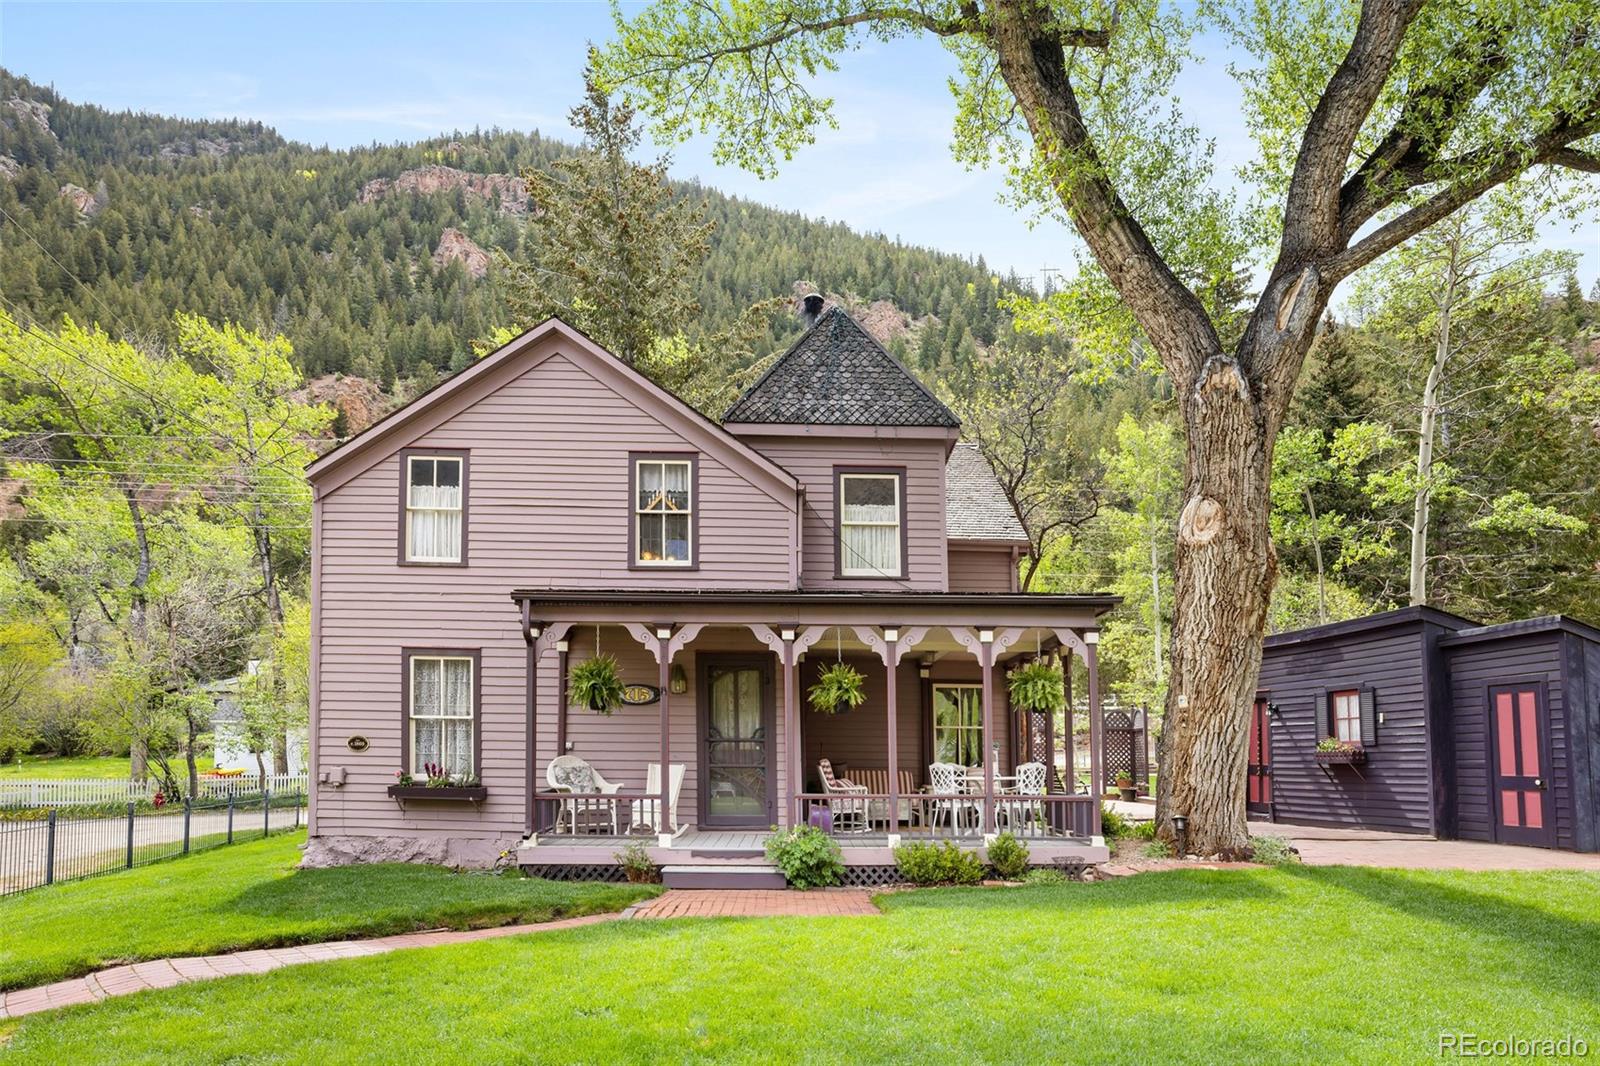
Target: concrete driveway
{"type": "Point", "coordinates": [1371, 847]}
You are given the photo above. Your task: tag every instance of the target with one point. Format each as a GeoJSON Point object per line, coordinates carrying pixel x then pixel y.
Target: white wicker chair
{"type": "Point", "coordinates": [948, 781]}
{"type": "Point", "coordinates": [568, 773]}
{"type": "Point", "coordinates": [1014, 810]}
{"type": "Point", "coordinates": [848, 814]}
{"type": "Point", "coordinates": [645, 814]}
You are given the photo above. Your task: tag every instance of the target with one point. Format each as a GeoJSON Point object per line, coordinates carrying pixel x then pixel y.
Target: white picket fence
{"type": "Point", "coordinates": [89, 791]}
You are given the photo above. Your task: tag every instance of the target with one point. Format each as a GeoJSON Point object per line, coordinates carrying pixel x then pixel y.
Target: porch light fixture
{"type": "Point", "coordinates": [986, 636]}
{"type": "Point", "coordinates": [680, 681]}
{"type": "Point", "coordinates": [787, 634]}
{"type": "Point", "coordinates": [891, 633]}
{"type": "Point", "coordinates": [663, 632]}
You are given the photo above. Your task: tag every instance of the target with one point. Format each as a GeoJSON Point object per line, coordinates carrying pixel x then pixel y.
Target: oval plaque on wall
{"type": "Point", "coordinates": [640, 695]}
{"type": "Point", "coordinates": [356, 743]}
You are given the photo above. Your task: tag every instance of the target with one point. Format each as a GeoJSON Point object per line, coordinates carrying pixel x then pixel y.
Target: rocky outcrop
{"type": "Point", "coordinates": [33, 112]}
{"type": "Point", "coordinates": [423, 181]}
{"type": "Point", "coordinates": [467, 852]}
{"type": "Point", "coordinates": [360, 399]}
{"type": "Point", "coordinates": [80, 198]}
{"type": "Point", "coordinates": [455, 246]}
{"type": "Point", "coordinates": [9, 168]}
{"type": "Point", "coordinates": [217, 148]}
{"type": "Point", "coordinates": [884, 320]}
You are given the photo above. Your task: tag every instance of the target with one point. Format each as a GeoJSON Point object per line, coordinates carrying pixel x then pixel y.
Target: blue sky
{"type": "Point", "coordinates": [350, 74]}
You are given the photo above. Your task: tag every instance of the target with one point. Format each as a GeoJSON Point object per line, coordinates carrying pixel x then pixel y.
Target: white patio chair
{"type": "Point", "coordinates": [1016, 811]}
{"type": "Point", "coordinates": [948, 783]}
{"type": "Point", "coordinates": [568, 773]}
{"type": "Point", "coordinates": [645, 814]}
{"type": "Point", "coordinates": [848, 814]}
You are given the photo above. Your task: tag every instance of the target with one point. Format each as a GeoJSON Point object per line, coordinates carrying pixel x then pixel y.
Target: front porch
{"type": "Point", "coordinates": [935, 753]}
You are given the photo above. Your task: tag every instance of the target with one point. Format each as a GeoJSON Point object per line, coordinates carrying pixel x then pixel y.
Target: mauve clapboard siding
{"type": "Point", "coordinates": [548, 495]}
{"type": "Point", "coordinates": [982, 569]}
{"type": "Point", "coordinates": [1394, 792]}
{"type": "Point", "coordinates": [811, 459]}
{"type": "Point", "coordinates": [1528, 659]}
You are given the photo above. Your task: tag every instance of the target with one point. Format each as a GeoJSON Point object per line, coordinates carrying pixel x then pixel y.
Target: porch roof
{"type": "Point", "coordinates": [739, 605]}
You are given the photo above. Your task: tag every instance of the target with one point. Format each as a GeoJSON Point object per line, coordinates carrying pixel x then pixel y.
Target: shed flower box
{"type": "Point", "coordinates": [1340, 753]}
{"type": "Point", "coordinates": [460, 793]}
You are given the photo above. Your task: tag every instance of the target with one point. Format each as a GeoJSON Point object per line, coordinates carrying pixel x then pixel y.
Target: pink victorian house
{"type": "Point", "coordinates": [550, 504]}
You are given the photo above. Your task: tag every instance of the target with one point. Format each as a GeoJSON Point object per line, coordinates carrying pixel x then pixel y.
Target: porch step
{"type": "Point", "coordinates": [727, 853]}
{"type": "Point", "coordinates": [753, 876]}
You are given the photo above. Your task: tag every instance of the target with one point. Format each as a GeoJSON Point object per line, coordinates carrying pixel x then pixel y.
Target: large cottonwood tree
{"type": "Point", "coordinates": [1374, 122]}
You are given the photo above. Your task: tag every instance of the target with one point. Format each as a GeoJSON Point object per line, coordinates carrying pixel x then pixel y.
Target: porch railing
{"type": "Point", "coordinates": [580, 813]}
{"type": "Point", "coordinates": [925, 815]}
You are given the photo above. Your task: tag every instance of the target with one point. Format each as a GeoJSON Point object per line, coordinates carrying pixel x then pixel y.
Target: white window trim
{"type": "Point", "coordinates": [640, 513]}
{"type": "Point", "coordinates": [1354, 697]}
{"type": "Point", "coordinates": [850, 569]}
{"type": "Point", "coordinates": [934, 725]}
{"type": "Point", "coordinates": [412, 717]}
{"type": "Point", "coordinates": [460, 509]}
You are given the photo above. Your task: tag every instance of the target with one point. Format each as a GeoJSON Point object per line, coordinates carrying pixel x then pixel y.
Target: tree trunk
{"type": "Point", "coordinates": [1155, 602]}
{"type": "Point", "coordinates": [189, 758]}
{"type": "Point", "coordinates": [1422, 504]}
{"type": "Point", "coordinates": [261, 771]}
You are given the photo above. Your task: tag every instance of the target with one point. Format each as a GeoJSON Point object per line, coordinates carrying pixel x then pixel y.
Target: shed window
{"type": "Point", "coordinates": [663, 512]}
{"type": "Point", "coordinates": [441, 713]}
{"type": "Point", "coordinates": [434, 508]}
{"type": "Point", "coordinates": [869, 525]}
{"type": "Point", "coordinates": [1345, 708]}
{"type": "Point", "coordinates": [958, 724]}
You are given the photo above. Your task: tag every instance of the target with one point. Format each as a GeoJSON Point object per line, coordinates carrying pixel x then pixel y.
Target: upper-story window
{"type": "Point", "coordinates": [663, 511]}
{"type": "Point", "coordinates": [435, 503]}
{"type": "Point", "coordinates": [871, 524]}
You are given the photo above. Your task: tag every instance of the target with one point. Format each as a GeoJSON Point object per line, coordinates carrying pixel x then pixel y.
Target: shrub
{"type": "Point", "coordinates": [1045, 875]}
{"type": "Point", "coordinates": [1274, 851]}
{"type": "Point", "coordinates": [1143, 830]}
{"type": "Point", "coordinates": [942, 864]}
{"type": "Point", "coordinates": [1113, 826]}
{"type": "Point", "coordinates": [1009, 857]}
{"type": "Point", "coordinates": [808, 857]}
{"type": "Point", "coordinates": [637, 865]}
{"type": "Point", "coordinates": [1156, 849]}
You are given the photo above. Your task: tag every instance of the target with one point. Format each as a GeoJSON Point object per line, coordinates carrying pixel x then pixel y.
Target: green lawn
{"type": "Point", "coordinates": [249, 895]}
{"type": "Point", "coordinates": [1289, 965]}
{"type": "Point", "coordinates": [109, 767]}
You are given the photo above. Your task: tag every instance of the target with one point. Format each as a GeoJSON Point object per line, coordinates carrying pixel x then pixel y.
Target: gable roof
{"type": "Point", "coordinates": [400, 427]}
{"type": "Point", "coordinates": [837, 375]}
{"type": "Point", "coordinates": [976, 507]}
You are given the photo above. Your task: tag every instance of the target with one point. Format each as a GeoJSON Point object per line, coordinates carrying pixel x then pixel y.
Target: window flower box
{"type": "Point", "coordinates": [456, 793]}
{"type": "Point", "coordinates": [1340, 753]}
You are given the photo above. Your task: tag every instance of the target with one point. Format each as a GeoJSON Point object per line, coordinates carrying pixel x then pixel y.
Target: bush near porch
{"type": "Point", "coordinates": [251, 895]}
{"type": "Point", "coordinates": [1290, 965]}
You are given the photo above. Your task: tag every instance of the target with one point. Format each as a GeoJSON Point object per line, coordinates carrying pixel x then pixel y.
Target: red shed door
{"type": "Point", "coordinates": [1258, 780]}
{"type": "Point", "coordinates": [1519, 732]}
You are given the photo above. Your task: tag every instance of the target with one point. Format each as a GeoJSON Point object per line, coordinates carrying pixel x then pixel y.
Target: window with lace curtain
{"type": "Point", "coordinates": [435, 508]}
{"type": "Point", "coordinates": [442, 711]}
{"type": "Point", "coordinates": [871, 514]}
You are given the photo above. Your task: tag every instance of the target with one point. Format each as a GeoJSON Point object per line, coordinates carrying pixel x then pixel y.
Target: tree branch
{"type": "Point", "coordinates": [1573, 159]}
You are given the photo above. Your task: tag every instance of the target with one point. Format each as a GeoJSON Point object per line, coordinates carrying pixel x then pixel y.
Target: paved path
{"type": "Point", "coordinates": [1320, 846]}
{"type": "Point", "coordinates": [164, 973]}
{"type": "Point", "coordinates": [755, 903]}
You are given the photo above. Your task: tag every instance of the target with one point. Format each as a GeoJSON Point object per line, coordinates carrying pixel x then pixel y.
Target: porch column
{"type": "Point", "coordinates": [531, 632]}
{"type": "Point", "coordinates": [563, 646]}
{"type": "Point", "coordinates": [663, 633]}
{"type": "Point", "coordinates": [985, 665]}
{"type": "Point", "coordinates": [791, 726]}
{"type": "Point", "coordinates": [1096, 726]}
{"type": "Point", "coordinates": [891, 660]}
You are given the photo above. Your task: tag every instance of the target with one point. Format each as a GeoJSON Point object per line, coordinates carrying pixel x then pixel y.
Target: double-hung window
{"type": "Point", "coordinates": [442, 712]}
{"type": "Point", "coordinates": [871, 512]}
{"type": "Point", "coordinates": [663, 511]}
{"type": "Point", "coordinates": [958, 724]}
{"type": "Point", "coordinates": [1346, 712]}
{"type": "Point", "coordinates": [435, 508]}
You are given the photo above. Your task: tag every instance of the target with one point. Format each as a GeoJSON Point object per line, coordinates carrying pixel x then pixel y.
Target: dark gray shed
{"type": "Point", "coordinates": [1438, 725]}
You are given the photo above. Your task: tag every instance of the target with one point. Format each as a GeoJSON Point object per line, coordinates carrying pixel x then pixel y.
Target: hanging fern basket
{"type": "Point", "coordinates": [1037, 686]}
{"type": "Point", "coordinates": [839, 688]}
{"type": "Point", "coordinates": [595, 684]}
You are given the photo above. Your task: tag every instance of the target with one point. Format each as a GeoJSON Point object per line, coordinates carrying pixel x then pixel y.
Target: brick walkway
{"type": "Point", "coordinates": [164, 973]}
{"type": "Point", "coordinates": [745, 903]}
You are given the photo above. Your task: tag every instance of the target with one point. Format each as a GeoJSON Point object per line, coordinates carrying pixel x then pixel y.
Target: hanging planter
{"type": "Point", "coordinates": [1037, 687]}
{"type": "Point", "coordinates": [594, 683]}
{"type": "Point", "coordinates": [839, 688]}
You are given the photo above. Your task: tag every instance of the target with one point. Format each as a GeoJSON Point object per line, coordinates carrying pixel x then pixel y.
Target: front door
{"type": "Point", "coordinates": [736, 750]}
{"type": "Point", "coordinates": [1519, 729]}
{"type": "Point", "coordinates": [1258, 780]}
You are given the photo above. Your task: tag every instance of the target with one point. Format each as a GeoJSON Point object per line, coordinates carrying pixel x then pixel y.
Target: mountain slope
{"type": "Point", "coordinates": [376, 260]}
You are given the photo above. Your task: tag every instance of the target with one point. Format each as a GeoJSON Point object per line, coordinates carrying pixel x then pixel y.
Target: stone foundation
{"type": "Point", "coordinates": [473, 853]}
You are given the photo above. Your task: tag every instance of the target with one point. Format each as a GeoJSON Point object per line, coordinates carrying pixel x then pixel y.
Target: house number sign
{"type": "Point", "coordinates": [356, 743]}
{"type": "Point", "coordinates": [640, 695]}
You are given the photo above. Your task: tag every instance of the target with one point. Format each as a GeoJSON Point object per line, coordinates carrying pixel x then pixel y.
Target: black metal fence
{"type": "Point", "coordinates": [68, 845]}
